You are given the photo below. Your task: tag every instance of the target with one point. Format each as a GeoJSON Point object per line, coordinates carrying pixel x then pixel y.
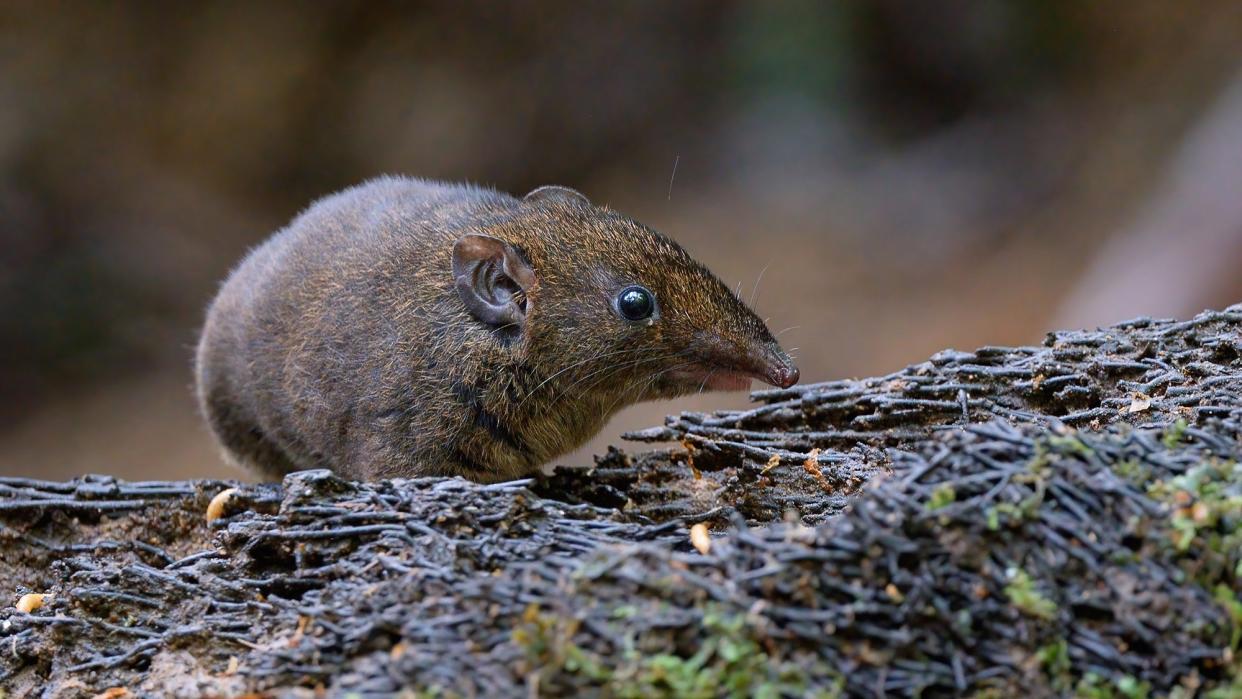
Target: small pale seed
{"type": "Point", "coordinates": [701, 538]}
{"type": "Point", "coordinates": [215, 508]}
{"type": "Point", "coordinates": [29, 603]}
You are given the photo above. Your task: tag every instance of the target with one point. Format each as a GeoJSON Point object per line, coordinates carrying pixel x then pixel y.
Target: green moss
{"type": "Point", "coordinates": [1023, 595]}
{"type": "Point", "coordinates": [1232, 690]}
{"type": "Point", "coordinates": [1069, 444]}
{"type": "Point", "coordinates": [1175, 433]}
{"type": "Point", "coordinates": [1093, 686]}
{"type": "Point", "coordinates": [1054, 659]}
{"type": "Point", "coordinates": [1132, 688]}
{"type": "Point", "coordinates": [942, 497]}
{"type": "Point", "coordinates": [1205, 529]}
{"type": "Point", "coordinates": [627, 611]}
{"type": "Point", "coordinates": [728, 661]}
{"type": "Point", "coordinates": [1005, 512]}
{"type": "Point", "coordinates": [1204, 532]}
{"type": "Point", "coordinates": [1228, 599]}
{"type": "Point", "coordinates": [1133, 471]}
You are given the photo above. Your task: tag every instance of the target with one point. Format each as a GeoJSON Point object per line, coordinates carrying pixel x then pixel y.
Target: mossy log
{"type": "Point", "coordinates": [1026, 521]}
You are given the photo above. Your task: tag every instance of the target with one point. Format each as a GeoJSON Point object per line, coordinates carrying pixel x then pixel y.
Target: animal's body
{"type": "Point", "coordinates": [405, 327]}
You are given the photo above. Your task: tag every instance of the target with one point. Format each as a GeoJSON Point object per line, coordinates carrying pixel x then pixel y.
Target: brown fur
{"type": "Point", "coordinates": [342, 343]}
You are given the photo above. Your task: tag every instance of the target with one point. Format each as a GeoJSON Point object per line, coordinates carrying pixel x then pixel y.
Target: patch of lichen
{"type": "Point", "coordinates": [1026, 597]}
{"type": "Point", "coordinates": [1094, 686]}
{"type": "Point", "coordinates": [1200, 532]}
{"type": "Point", "coordinates": [1203, 533]}
{"type": "Point", "coordinates": [1204, 529]}
{"type": "Point", "coordinates": [1206, 518]}
{"type": "Point", "coordinates": [1055, 662]}
{"type": "Point", "coordinates": [728, 659]}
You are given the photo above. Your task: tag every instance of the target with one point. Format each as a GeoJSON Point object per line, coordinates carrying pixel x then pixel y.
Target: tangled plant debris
{"type": "Point", "coordinates": [1054, 520]}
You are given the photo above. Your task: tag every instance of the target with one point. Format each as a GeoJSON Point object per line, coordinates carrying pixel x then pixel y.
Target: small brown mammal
{"type": "Point", "coordinates": [405, 327]}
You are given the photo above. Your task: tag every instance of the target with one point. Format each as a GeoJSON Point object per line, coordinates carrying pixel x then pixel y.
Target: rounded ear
{"type": "Point", "coordinates": [559, 194]}
{"type": "Point", "coordinates": [492, 279]}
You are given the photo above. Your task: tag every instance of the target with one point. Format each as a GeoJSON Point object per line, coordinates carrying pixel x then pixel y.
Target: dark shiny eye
{"type": "Point", "coordinates": [635, 303]}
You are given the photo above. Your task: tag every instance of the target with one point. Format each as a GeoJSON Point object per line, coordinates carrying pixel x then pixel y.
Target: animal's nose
{"type": "Point", "coordinates": [779, 369]}
{"type": "Point", "coordinates": [774, 366]}
{"type": "Point", "coordinates": [765, 361]}
{"type": "Point", "coordinates": [783, 376]}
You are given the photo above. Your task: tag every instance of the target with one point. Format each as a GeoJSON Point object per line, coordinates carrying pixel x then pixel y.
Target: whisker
{"type": "Point", "coordinates": [755, 292]}
{"type": "Point", "coordinates": [792, 327]}
{"type": "Point", "coordinates": [607, 372]}
{"type": "Point", "coordinates": [705, 380]}
{"type": "Point", "coordinates": [505, 326]}
{"type": "Point", "coordinates": [614, 367]}
{"type": "Point", "coordinates": [579, 363]}
{"type": "Point", "coordinates": [654, 377]}
{"type": "Point", "coordinates": [672, 176]}
{"type": "Point", "coordinates": [632, 392]}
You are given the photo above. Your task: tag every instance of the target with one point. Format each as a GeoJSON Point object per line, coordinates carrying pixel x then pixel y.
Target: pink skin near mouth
{"type": "Point", "coordinates": [723, 365]}
{"type": "Point", "coordinates": [734, 373]}
{"type": "Point", "coordinates": [714, 379]}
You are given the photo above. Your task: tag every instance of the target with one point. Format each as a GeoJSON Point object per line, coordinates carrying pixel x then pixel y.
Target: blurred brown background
{"type": "Point", "coordinates": [911, 175]}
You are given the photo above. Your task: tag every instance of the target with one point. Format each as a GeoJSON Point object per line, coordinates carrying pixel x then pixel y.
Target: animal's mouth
{"type": "Point", "coordinates": [712, 379]}
{"type": "Point", "coordinates": [736, 373]}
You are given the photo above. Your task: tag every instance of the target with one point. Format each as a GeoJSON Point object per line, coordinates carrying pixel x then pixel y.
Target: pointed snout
{"type": "Point", "coordinates": [784, 375]}
{"type": "Point", "coordinates": [763, 360]}
{"type": "Point", "coordinates": [775, 367]}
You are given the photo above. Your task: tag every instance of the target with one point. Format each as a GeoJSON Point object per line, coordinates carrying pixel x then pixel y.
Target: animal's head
{"type": "Point", "coordinates": [611, 305]}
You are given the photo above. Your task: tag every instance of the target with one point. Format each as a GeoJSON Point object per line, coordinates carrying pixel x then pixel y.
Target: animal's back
{"type": "Point", "coordinates": [327, 316]}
